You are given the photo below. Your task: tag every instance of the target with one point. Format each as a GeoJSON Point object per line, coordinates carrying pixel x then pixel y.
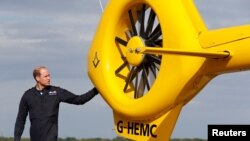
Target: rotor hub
{"type": "Point", "coordinates": [133, 55]}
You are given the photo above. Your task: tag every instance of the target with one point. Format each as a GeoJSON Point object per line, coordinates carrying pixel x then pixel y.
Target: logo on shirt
{"type": "Point", "coordinates": [52, 92]}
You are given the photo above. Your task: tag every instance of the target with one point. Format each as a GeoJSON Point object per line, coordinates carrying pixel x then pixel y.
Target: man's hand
{"type": "Point", "coordinates": [94, 90]}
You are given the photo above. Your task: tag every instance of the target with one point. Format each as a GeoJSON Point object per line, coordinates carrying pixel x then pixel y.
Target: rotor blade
{"type": "Point", "coordinates": [132, 74]}
{"type": "Point", "coordinates": [136, 86]}
{"type": "Point", "coordinates": [151, 20]}
{"type": "Point", "coordinates": [121, 41]}
{"type": "Point", "coordinates": [140, 90]}
{"type": "Point", "coordinates": [152, 68]}
{"type": "Point", "coordinates": [158, 42]}
{"type": "Point", "coordinates": [156, 33]}
{"type": "Point", "coordinates": [132, 22]}
{"type": "Point", "coordinates": [148, 43]}
{"type": "Point", "coordinates": [157, 67]}
{"type": "Point", "coordinates": [129, 34]}
{"type": "Point", "coordinates": [141, 20]}
{"type": "Point", "coordinates": [136, 72]}
{"type": "Point", "coordinates": [154, 59]}
{"type": "Point", "coordinates": [129, 79]}
{"type": "Point", "coordinates": [145, 77]}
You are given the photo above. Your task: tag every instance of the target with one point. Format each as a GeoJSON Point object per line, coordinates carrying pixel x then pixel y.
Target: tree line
{"type": "Point", "coordinates": [97, 139]}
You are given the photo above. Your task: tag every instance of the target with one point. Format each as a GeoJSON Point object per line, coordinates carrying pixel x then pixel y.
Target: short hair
{"type": "Point", "coordinates": [36, 71]}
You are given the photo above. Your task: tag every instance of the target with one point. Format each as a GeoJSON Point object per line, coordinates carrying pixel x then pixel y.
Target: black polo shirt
{"type": "Point", "coordinates": [43, 108]}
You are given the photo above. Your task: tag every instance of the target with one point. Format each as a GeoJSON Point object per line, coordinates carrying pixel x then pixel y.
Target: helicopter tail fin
{"type": "Point", "coordinates": [157, 129]}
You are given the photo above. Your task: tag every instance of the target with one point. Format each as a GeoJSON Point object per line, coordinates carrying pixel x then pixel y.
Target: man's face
{"type": "Point", "coordinates": [44, 78]}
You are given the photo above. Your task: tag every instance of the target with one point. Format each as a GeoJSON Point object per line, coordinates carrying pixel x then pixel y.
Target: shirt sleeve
{"type": "Point", "coordinates": [69, 97]}
{"type": "Point", "coordinates": [21, 119]}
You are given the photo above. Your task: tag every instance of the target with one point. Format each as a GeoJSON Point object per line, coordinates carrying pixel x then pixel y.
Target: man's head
{"type": "Point", "coordinates": [42, 76]}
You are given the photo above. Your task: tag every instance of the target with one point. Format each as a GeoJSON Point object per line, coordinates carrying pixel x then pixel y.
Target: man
{"type": "Point", "coordinates": [42, 104]}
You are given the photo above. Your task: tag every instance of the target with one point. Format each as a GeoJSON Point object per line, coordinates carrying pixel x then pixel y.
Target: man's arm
{"type": "Point", "coordinates": [21, 119]}
{"type": "Point", "coordinates": [71, 98]}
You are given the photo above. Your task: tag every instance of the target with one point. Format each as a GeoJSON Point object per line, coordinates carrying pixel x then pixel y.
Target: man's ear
{"type": "Point", "coordinates": [37, 78]}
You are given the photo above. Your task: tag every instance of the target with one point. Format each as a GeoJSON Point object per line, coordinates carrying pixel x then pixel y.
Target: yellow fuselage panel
{"type": "Point", "coordinates": [191, 57]}
{"type": "Point", "coordinates": [178, 32]}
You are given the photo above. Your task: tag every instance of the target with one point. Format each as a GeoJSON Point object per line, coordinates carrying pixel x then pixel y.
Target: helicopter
{"type": "Point", "coordinates": [148, 59]}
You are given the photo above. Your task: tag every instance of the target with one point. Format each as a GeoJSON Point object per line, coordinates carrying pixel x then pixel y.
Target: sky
{"type": "Point", "coordinates": [58, 34]}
